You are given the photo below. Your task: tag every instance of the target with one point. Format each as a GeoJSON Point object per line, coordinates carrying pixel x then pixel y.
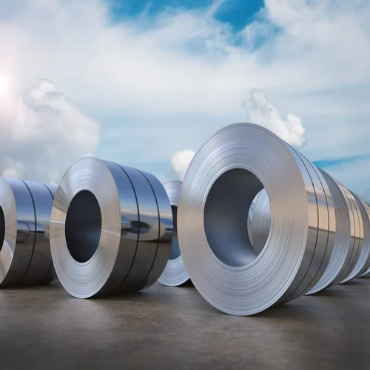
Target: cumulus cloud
{"type": "Point", "coordinates": [180, 162]}
{"type": "Point", "coordinates": [261, 112]}
{"type": "Point", "coordinates": [42, 133]}
{"type": "Point", "coordinates": [188, 72]}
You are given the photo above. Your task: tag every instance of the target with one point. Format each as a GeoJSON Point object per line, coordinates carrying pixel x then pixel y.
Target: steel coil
{"type": "Point", "coordinates": [356, 237]}
{"type": "Point", "coordinates": [175, 273]}
{"type": "Point", "coordinates": [221, 182]}
{"type": "Point", "coordinates": [363, 248]}
{"type": "Point", "coordinates": [111, 229]}
{"type": "Point", "coordinates": [25, 257]}
{"type": "Point", "coordinates": [366, 241]}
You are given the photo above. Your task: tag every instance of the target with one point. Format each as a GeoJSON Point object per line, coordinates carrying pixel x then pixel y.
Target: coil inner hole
{"type": "Point", "coordinates": [83, 226]}
{"type": "Point", "coordinates": [175, 248]}
{"type": "Point", "coordinates": [226, 216]}
{"type": "Point", "coordinates": [2, 228]}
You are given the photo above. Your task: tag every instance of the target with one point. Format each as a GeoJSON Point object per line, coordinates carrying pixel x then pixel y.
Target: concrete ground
{"type": "Point", "coordinates": [174, 328]}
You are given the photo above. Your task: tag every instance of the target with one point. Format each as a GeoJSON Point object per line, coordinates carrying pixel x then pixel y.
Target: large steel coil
{"type": "Point", "coordinates": [25, 257]}
{"type": "Point", "coordinates": [222, 180]}
{"type": "Point", "coordinates": [111, 229]}
{"type": "Point", "coordinates": [175, 273]}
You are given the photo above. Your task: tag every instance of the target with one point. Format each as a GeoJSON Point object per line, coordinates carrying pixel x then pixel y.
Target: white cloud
{"type": "Point", "coordinates": [183, 72]}
{"type": "Point", "coordinates": [13, 169]}
{"type": "Point", "coordinates": [261, 112]}
{"type": "Point", "coordinates": [42, 133]}
{"type": "Point", "coordinates": [180, 162]}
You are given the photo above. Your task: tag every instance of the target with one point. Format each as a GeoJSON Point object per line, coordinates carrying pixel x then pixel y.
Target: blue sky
{"type": "Point", "coordinates": [237, 13]}
{"type": "Point", "coordinates": [138, 81]}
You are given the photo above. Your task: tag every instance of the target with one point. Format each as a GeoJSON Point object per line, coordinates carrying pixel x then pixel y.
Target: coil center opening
{"type": "Point", "coordinates": [175, 248]}
{"type": "Point", "coordinates": [226, 216]}
{"type": "Point", "coordinates": [83, 226]}
{"type": "Point", "coordinates": [2, 228]}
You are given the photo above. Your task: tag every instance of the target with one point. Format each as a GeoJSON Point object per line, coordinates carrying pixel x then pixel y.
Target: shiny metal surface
{"type": "Point", "coordinates": [350, 255]}
{"type": "Point", "coordinates": [25, 209]}
{"type": "Point", "coordinates": [40, 268]}
{"type": "Point", "coordinates": [106, 243]}
{"type": "Point", "coordinates": [366, 241]}
{"type": "Point", "coordinates": [325, 232]}
{"type": "Point", "coordinates": [356, 236]}
{"type": "Point", "coordinates": [259, 221]}
{"type": "Point", "coordinates": [175, 273]}
{"type": "Point", "coordinates": [165, 236]}
{"type": "Point", "coordinates": [147, 229]}
{"type": "Point", "coordinates": [222, 180]}
{"type": "Point", "coordinates": [342, 251]}
{"type": "Point", "coordinates": [19, 236]}
{"type": "Point", "coordinates": [364, 246]}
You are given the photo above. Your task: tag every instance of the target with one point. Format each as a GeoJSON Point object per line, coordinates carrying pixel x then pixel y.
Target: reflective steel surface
{"type": "Point", "coordinates": [40, 265]}
{"type": "Point", "coordinates": [222, 180]}
{"type": "Point", "coordinates": [356, 235]}
{"type": "Point", "coordinates": [362, 263]}
{"type": "Point", "coordinates": [25, 209]}
{"type": "Point", "coordinates": [147, 229]}
{"type": "Point", "coordinates": [19, 237]}
{"type": "Point", "coordinates": [350, 257]}
{"type": "Point", "coordinates": [366, 241]}
{"type": "Point", "coordinates": [165, 231]}
{"type": "Point", "coordinates": [175, 273]}
{"type": "Point", "coordinates": [130, 245]}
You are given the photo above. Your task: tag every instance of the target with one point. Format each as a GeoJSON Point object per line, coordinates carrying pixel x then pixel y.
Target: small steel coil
{"type": "Point", "coordinates": [356, 237]}
{"type": "Point", "coordinates": [366, 241]}
{"type": "Point", "coordinates": [363, 250]}
{"type": "Point", "coordinates": [220, 184]}
{"type": "Point", "coordinates": [175, 273]}
{"type": "Point", "coordinates": [111, 229]}
{"type": "Point", "coordinates": [25, 257]}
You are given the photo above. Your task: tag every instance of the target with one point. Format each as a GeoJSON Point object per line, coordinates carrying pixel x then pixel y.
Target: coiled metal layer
{"type": "Point", "coordinates": [175, 273]}
{"type": "Point", "coordinates": [222, 180]}
{"type": "Point", "coordinates": [111, 229]}
{"type": "Point", "coordinates": [25, 257]}
{"type": "Point", "coordinates": [350, 257]}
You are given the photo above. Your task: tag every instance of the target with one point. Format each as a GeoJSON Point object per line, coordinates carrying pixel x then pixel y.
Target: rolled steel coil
{"type": "Point", "coordinates": [362, 251]}
{"type": "Point", "coordinates": [25, 257]}
{"type": "Point", "coordinates": [366, 241]}
{"type": "Point", "coordinates": [111, 229]}
{"type": "Point", "coordinates": [175, 273]}
{"type": "Point", "coordinates": [221, 182]}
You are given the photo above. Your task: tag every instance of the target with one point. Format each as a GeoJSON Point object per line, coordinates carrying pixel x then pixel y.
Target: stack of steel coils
{"type": "Point", "coordinates": [175, 273]}
{"type": "Point", "coordinates": [25, 257]}
{"type": "Point", "coordinates": [111, 229]}
{"type": "Point", "coordinates": [253, 225]}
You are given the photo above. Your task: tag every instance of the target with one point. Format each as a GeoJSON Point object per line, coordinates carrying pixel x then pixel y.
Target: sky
{"type": "Point", "coordinates": [145, 83]}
